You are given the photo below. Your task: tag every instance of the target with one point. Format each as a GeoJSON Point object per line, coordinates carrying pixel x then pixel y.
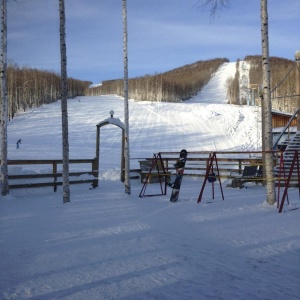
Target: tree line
{"type": "Point", "coordinates": [28, 88]}
{"type": "Point", "coordinates": [184, 82]}
{"type": "Point", "coordinates": [173, 86]}
{"type": "Point", "coordinates": [282, 79]}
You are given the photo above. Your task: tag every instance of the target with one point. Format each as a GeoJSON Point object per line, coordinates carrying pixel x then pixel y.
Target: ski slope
{"type": "Point", "coordinates": [106, 244]}
{"type": "Point", "coordinates": [204, 123]}
{"type": "Point", "coordinates": [215, 91]}
{"type": "Point", "coordinates": [154, 127]}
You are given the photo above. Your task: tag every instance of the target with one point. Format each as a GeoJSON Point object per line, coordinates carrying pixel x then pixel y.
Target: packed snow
{"type": "Point", "coordinates": [216, 89]}
{"type": "Point", "coordinates": [106, 244]}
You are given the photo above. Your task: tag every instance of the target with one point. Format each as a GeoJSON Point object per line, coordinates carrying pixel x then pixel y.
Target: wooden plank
{"type": "Point", "coordinates": [46, 184]}
{"type": "Point", "coordinates": [46, 175]}
{"type": "Point", "coordinates": [47, 161]}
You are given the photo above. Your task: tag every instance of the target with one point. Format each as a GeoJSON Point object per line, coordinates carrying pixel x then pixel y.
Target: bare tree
{"type": "Point", "coordinates": [215, 5]}
{"type": "Point", "coordinates": [4, 101]}
{"type": "Point", "coordinates": [266, 105]}
{"type": "Point", "coordinates": [126, 113]}
{"type": "Point", "coordinates": [267, 111]}
{"type": "Point", "coordinates": [64, 107]}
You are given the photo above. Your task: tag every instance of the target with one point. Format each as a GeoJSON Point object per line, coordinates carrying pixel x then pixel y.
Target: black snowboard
{"type": "Point", "coordinates": [179, 174]}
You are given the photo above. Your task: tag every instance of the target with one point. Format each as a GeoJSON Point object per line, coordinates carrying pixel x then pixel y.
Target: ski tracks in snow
{"type": "Point", "coordinates": [195, 126]}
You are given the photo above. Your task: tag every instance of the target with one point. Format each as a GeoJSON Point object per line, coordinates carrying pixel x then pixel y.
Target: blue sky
{"type": "Point", "coordinates": [162, 34]}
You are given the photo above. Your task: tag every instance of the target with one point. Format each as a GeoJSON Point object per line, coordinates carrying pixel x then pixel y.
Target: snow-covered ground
{"type": "Point", "coordinates": [106, 244]}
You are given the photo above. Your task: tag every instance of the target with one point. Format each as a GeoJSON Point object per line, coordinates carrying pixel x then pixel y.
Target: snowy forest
{"type": "Point", "coordinates": [172, 86]}
{"type": "Point", "coordinates": [28, 88]}
{"type": "Point", "coordinates": [184, 82]}
{"type": "Point", "coordinates": [283, 74]}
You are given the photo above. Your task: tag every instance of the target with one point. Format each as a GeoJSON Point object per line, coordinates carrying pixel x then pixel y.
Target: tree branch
{"type": "Point", "coordinates": [215, 5]}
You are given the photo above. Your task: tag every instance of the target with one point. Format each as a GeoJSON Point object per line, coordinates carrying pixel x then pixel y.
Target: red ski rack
{"type": "Point", "coordinates": [158, 166]}
{"type": "Point", "coordinates": [210, 176]}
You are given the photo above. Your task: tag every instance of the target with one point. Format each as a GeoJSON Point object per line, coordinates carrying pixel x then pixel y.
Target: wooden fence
{"type": "Point", "coordinates": [228, 162]}
{"type": "Point", "coordinates": [53, 178]}
{"type": "Point", "coordinates": [196, 165]}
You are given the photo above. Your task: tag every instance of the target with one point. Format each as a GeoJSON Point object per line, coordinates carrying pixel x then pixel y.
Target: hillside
{"type": "Point", "coordinates": [185, 82]}
{"type": "Point", "coordinates": [171, 86]}
{"type": "Point", "coordinates": [283, 77]}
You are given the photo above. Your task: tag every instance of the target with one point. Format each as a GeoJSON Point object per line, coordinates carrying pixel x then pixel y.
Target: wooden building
{"type": "Point", "coordinates": [280, 119]}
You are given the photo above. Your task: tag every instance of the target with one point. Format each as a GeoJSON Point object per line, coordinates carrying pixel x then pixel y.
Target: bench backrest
{"type": "Point", "coordinates": [250, 171]}
{"type": "Point", "coordinates": [145, 165]}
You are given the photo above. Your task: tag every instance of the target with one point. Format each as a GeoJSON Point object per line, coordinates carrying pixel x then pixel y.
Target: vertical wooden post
{"type": "Point", "coordinates": [240, 167]}
{"type": "Point", "coordinates": [123, 157]}
{"type": "Point", "coordinates": [95, 172]}
{"type": "Point", "coordinates": [96, 166]}
{"type": "Point", "coordinates": [263, 133]}
{"type": "Point", "coordinates": [54, 170]}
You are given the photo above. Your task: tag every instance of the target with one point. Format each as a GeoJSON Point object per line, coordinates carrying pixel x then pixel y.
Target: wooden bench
{"type": "Point", "coordinates": [156, 172]}
{"type": "Point", "coordinates": [250, 173]}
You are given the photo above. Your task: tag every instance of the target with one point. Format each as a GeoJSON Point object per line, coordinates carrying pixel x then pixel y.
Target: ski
{"type": "Point", "coordinates": [180, 164]}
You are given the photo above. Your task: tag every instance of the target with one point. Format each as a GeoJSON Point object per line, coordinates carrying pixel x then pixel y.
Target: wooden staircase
{"type": "Point", "coordinates": [288, 156]}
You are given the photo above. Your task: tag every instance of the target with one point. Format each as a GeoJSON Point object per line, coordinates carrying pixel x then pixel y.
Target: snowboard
{"type": "Point", "coordinates": [180, 164]}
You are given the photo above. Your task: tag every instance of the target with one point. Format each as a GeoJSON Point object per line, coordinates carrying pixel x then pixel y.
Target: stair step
{"type": "Point", "coordinates": [288, 156]}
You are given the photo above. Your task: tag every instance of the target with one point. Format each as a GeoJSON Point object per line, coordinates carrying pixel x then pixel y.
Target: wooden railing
{"type": "Point", "coordinates": [228, 162]}
{"type": "Point", "coordinates": [35, 179]}
{"type": "Point", "coordinates": [196, 165]}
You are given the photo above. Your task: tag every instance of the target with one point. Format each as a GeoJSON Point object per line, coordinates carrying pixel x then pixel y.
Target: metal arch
{"type": "Point", "coordinates": [118, 123]}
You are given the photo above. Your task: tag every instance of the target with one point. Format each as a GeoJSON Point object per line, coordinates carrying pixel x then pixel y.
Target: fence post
{"type": "Point", "coordinates": [54, 168]}
{"type": "Point", "coordinates": [240, 166]}
{"type": "Point", "coordinates": [95, 171]}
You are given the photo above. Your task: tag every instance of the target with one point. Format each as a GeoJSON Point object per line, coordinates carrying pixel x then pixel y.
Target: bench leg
{"type": "Point", "coordinates": [240, 184]}
{"type": "Point", "coordinates": [237, 183]}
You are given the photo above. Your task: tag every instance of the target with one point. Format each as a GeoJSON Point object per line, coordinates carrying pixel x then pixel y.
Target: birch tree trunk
{"type": "Point", "coordinates": [126, 112]}
{"type": "Point", "coordinates": [267, 107]}
{"type": "Point", "coordinates": [64, 107]}
{"type": "Point", "coordinates": [4, 101]}
{"type": "Point", "coordinates": [297, 79]}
